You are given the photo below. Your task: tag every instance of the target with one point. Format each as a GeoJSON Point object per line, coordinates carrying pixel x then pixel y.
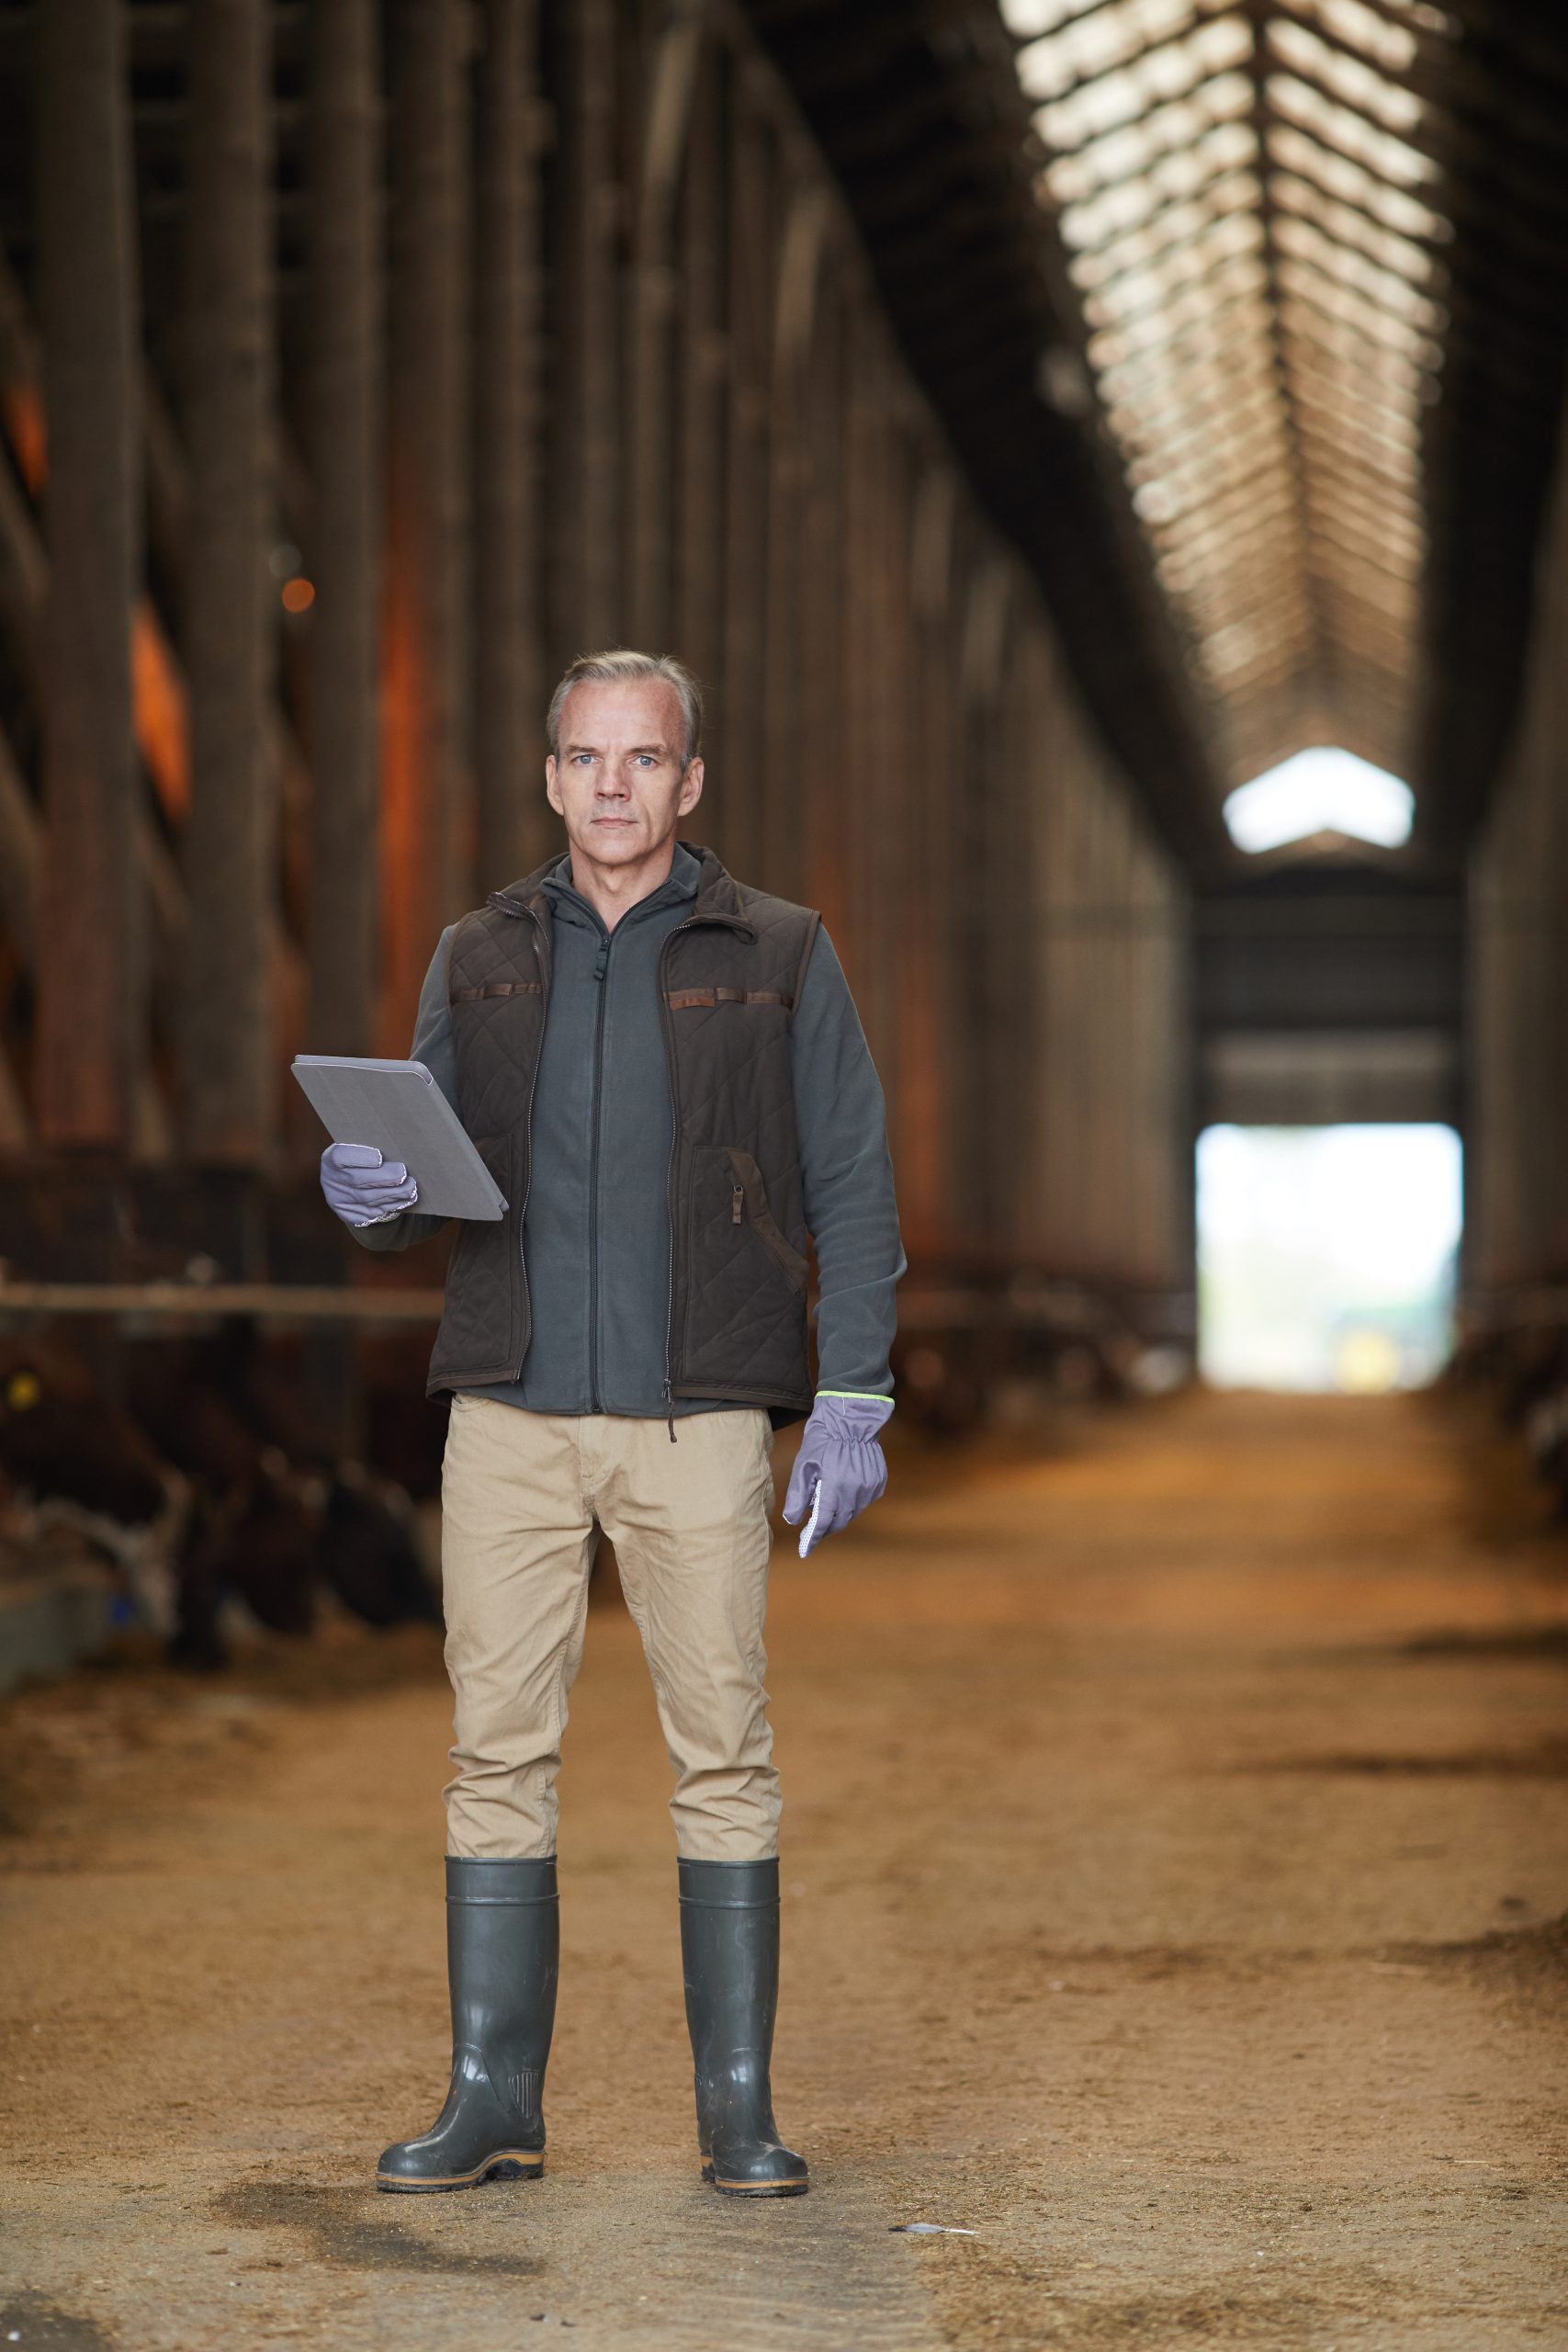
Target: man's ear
{"type": "Point", "coordinates": [551, 792]}
{"type": "Point", "coordinates": [691, 788]}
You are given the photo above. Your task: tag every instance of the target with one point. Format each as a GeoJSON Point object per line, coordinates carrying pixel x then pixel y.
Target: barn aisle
{"type": "Point", "coordinates": [1177, 1872]}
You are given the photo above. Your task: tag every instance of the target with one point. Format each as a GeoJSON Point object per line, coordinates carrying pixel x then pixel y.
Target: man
{"type": "Point", "coordinates": [663, 1070]}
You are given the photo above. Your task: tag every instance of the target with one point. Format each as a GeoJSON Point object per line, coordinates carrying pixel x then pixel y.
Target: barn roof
{"type": "Point", "coordinates": [1248, 318]}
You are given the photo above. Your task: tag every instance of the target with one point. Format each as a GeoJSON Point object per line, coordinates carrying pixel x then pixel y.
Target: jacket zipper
{"type": "Point", "coordinates": [601, 969]}
{"type": "Point", "coordinates": [668, 1025]}
{"type": "Point", "coordinates": [510, 906]}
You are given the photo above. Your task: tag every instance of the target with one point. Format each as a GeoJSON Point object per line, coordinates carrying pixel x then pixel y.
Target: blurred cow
{"type": "Point", "coordinates": [206, 1482]}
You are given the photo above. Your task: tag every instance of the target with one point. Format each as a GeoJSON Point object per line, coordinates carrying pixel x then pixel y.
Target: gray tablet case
{"type": "Point", "coordinates": [398, 1107]}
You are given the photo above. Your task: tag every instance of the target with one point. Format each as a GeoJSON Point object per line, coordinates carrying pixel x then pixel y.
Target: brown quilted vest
{"type": "Point", "coordinates": [729, 975]}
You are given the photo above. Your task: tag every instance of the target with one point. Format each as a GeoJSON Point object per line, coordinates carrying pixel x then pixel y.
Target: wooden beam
{"type": "Point", "coordinates": [226, 1074]}
{"type": "Point", "coordinates": [427, 839]}
{"type": "Point", "coordinates": [21, 856]}
{"type": "Point", "coordinates": [88, 1039]}
{"type": "Point", "coordinates": [587, 519]}
{"type": "Point", "coordinates": [200, 1301]}
{"type": "Point", "coordinates": [785, 683]}
{"type": "Point", "coordinates": [738, 777]}
{"type": "Point", "coordinates": [825, 881]}
{"type": "Point", "coordinates": [650, 377]}
{"type": "Point", "coordinates": [703, 358]}
{"type": "Point", "coordinates": [515, 819]}
{"type": "Point", "coordinates": [344, 394]}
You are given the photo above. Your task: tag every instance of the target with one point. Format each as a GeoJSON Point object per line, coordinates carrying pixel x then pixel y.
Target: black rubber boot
{"type": "Point", "coordinates": [729, 1942]}
{"type": "Point", "coordinates": [502, 1959]}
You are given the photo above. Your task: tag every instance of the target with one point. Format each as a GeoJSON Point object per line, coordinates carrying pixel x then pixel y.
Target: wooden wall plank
{"type": "Point", "coordinates": [345, 364]}
{"type": "Point", "coordinates": [226, 1059]}
{"type": "Point", "coordinates": [427, 814]}
{"type": "Point", "coordinates": [89, 1038]}
{"type": "Point", "coordinates": [515, 824]}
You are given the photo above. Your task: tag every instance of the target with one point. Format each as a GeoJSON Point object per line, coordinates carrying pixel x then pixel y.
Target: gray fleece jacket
{"type": "Point", "coordinates": [596, 1234]}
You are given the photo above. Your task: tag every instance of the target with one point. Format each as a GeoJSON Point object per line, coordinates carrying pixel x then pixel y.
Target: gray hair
{"type": "Point", "coordinates": [619, 663]}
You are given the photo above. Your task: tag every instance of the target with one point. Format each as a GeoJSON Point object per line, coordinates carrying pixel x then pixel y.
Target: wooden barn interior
{"type": "Point", "coordinates": [1034, 420]}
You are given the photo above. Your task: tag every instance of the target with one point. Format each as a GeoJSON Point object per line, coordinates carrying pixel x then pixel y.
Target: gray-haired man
{"type": "Point", "coordinates": [664, 1071]}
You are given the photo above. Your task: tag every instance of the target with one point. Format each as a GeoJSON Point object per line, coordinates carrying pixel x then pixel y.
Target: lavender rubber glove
{"type": "Point", "coordinates": [362, 1188]}
{"type": "Point", "coordinates": [838, 1452]}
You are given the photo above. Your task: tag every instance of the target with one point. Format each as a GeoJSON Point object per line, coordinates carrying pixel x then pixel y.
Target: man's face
{"type": "Point", "coordinates": [618, 780]}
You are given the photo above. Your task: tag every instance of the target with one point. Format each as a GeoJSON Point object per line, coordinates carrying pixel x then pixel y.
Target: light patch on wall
{"type": "Point", "coordinates": [1324, 790]}
{"type": "Point", "coordinates": [1326, 1255]}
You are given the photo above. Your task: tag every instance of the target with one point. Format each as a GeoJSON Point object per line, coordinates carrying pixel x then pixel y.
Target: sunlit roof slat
{"type": "Point", "coordinates": [1349, 226]}
{"type": "Point", "coordinates": [1252, 213]}
{"type": "Point", "coordinates": [1339, 301]}
{"type": "Point", "coordinates": [1348, 80]}
{"type": "Point", "coordinates": [1391, 48]}
{"type": "Point", "coordinates": [1351, 132]}
{"type": "Point", "coordinates": [1297, 151]}
{"type": "Point", "coordinates": [1307, 242]}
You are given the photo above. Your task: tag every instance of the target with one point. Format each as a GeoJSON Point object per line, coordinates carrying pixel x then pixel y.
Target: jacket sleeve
{"type": "Point", "coordinates": [841, 1125]}
{"type": "Point", "coordinates": [431, 1045]}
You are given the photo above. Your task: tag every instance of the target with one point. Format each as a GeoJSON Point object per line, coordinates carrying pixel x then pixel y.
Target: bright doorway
{"type": "Point", "coordinates": [1326, 1256]}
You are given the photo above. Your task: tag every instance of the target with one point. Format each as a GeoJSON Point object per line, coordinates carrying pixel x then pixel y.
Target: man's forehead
{"type": "Point", "coordinates": [648, 708]}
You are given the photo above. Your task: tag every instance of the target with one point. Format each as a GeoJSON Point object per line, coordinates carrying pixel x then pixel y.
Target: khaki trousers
{"type": "Point", "coordinates": [523, 1496]}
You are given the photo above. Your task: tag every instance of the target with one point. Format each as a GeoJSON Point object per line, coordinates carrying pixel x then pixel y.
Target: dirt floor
{"type": "Point", "coordinates": [1177, 1865]}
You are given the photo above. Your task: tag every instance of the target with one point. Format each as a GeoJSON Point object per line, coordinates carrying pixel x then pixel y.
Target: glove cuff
{"type": "Point", "coordinates": [853, 1409]}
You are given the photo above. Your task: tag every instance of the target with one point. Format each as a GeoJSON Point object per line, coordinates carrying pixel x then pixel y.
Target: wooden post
{"type": "Point", "coordinates": [427, 817]}
{"type": "Point", "coordinates": [890, 790]}
{"type": "Point", "coordinates": [983, 654]}
{"type": "Point", "coordinates": [739, 778]}
{"type": "Point", "coordinates": [88, 1032]}
{"type": "Point", "coordinates": [825, 880]}
{"type": "Point", "coordinates": [858, 641]}
{"type": "Point", "coordinates": [345, 457]}
{"type": "Point", "coordinates": [783, 827]}
{"type": "Point", "coordinates": [703, 363]}
{"type": "Point", "coordinates": [924, 930]}
{"type": "Point", "coordinates": [227, 1077]}
{"type": "Point", "coordinates": [650, 378]}
{"type": "Point", "coordinates": [586, 521]}
{"type": "Point", "coordinates": [515, 824]}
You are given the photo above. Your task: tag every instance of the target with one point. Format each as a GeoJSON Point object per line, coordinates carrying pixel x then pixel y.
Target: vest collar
{"type": "Point", "coordinates": [718, 899]}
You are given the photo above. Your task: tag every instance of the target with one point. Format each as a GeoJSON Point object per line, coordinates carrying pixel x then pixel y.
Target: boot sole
{"type": "Point", "coordinates": [494, 2168]}
{"type": "Point", "coordinates": [754, 2187]}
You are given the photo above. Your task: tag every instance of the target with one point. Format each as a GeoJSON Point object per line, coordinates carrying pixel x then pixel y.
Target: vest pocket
{"type": "Point", "coordinates": [748, 1193]}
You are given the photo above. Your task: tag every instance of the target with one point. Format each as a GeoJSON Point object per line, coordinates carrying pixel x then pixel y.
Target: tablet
{"type": "Point", "coordinates": [398, 1107]}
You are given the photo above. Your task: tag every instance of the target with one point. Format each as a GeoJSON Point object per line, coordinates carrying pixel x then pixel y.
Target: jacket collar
{"type": "Point", "coordinates": [717, 901]}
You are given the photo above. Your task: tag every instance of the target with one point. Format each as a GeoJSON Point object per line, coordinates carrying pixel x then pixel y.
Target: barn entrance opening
{"type": "Point", "coordinates": [1327, 1255]}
